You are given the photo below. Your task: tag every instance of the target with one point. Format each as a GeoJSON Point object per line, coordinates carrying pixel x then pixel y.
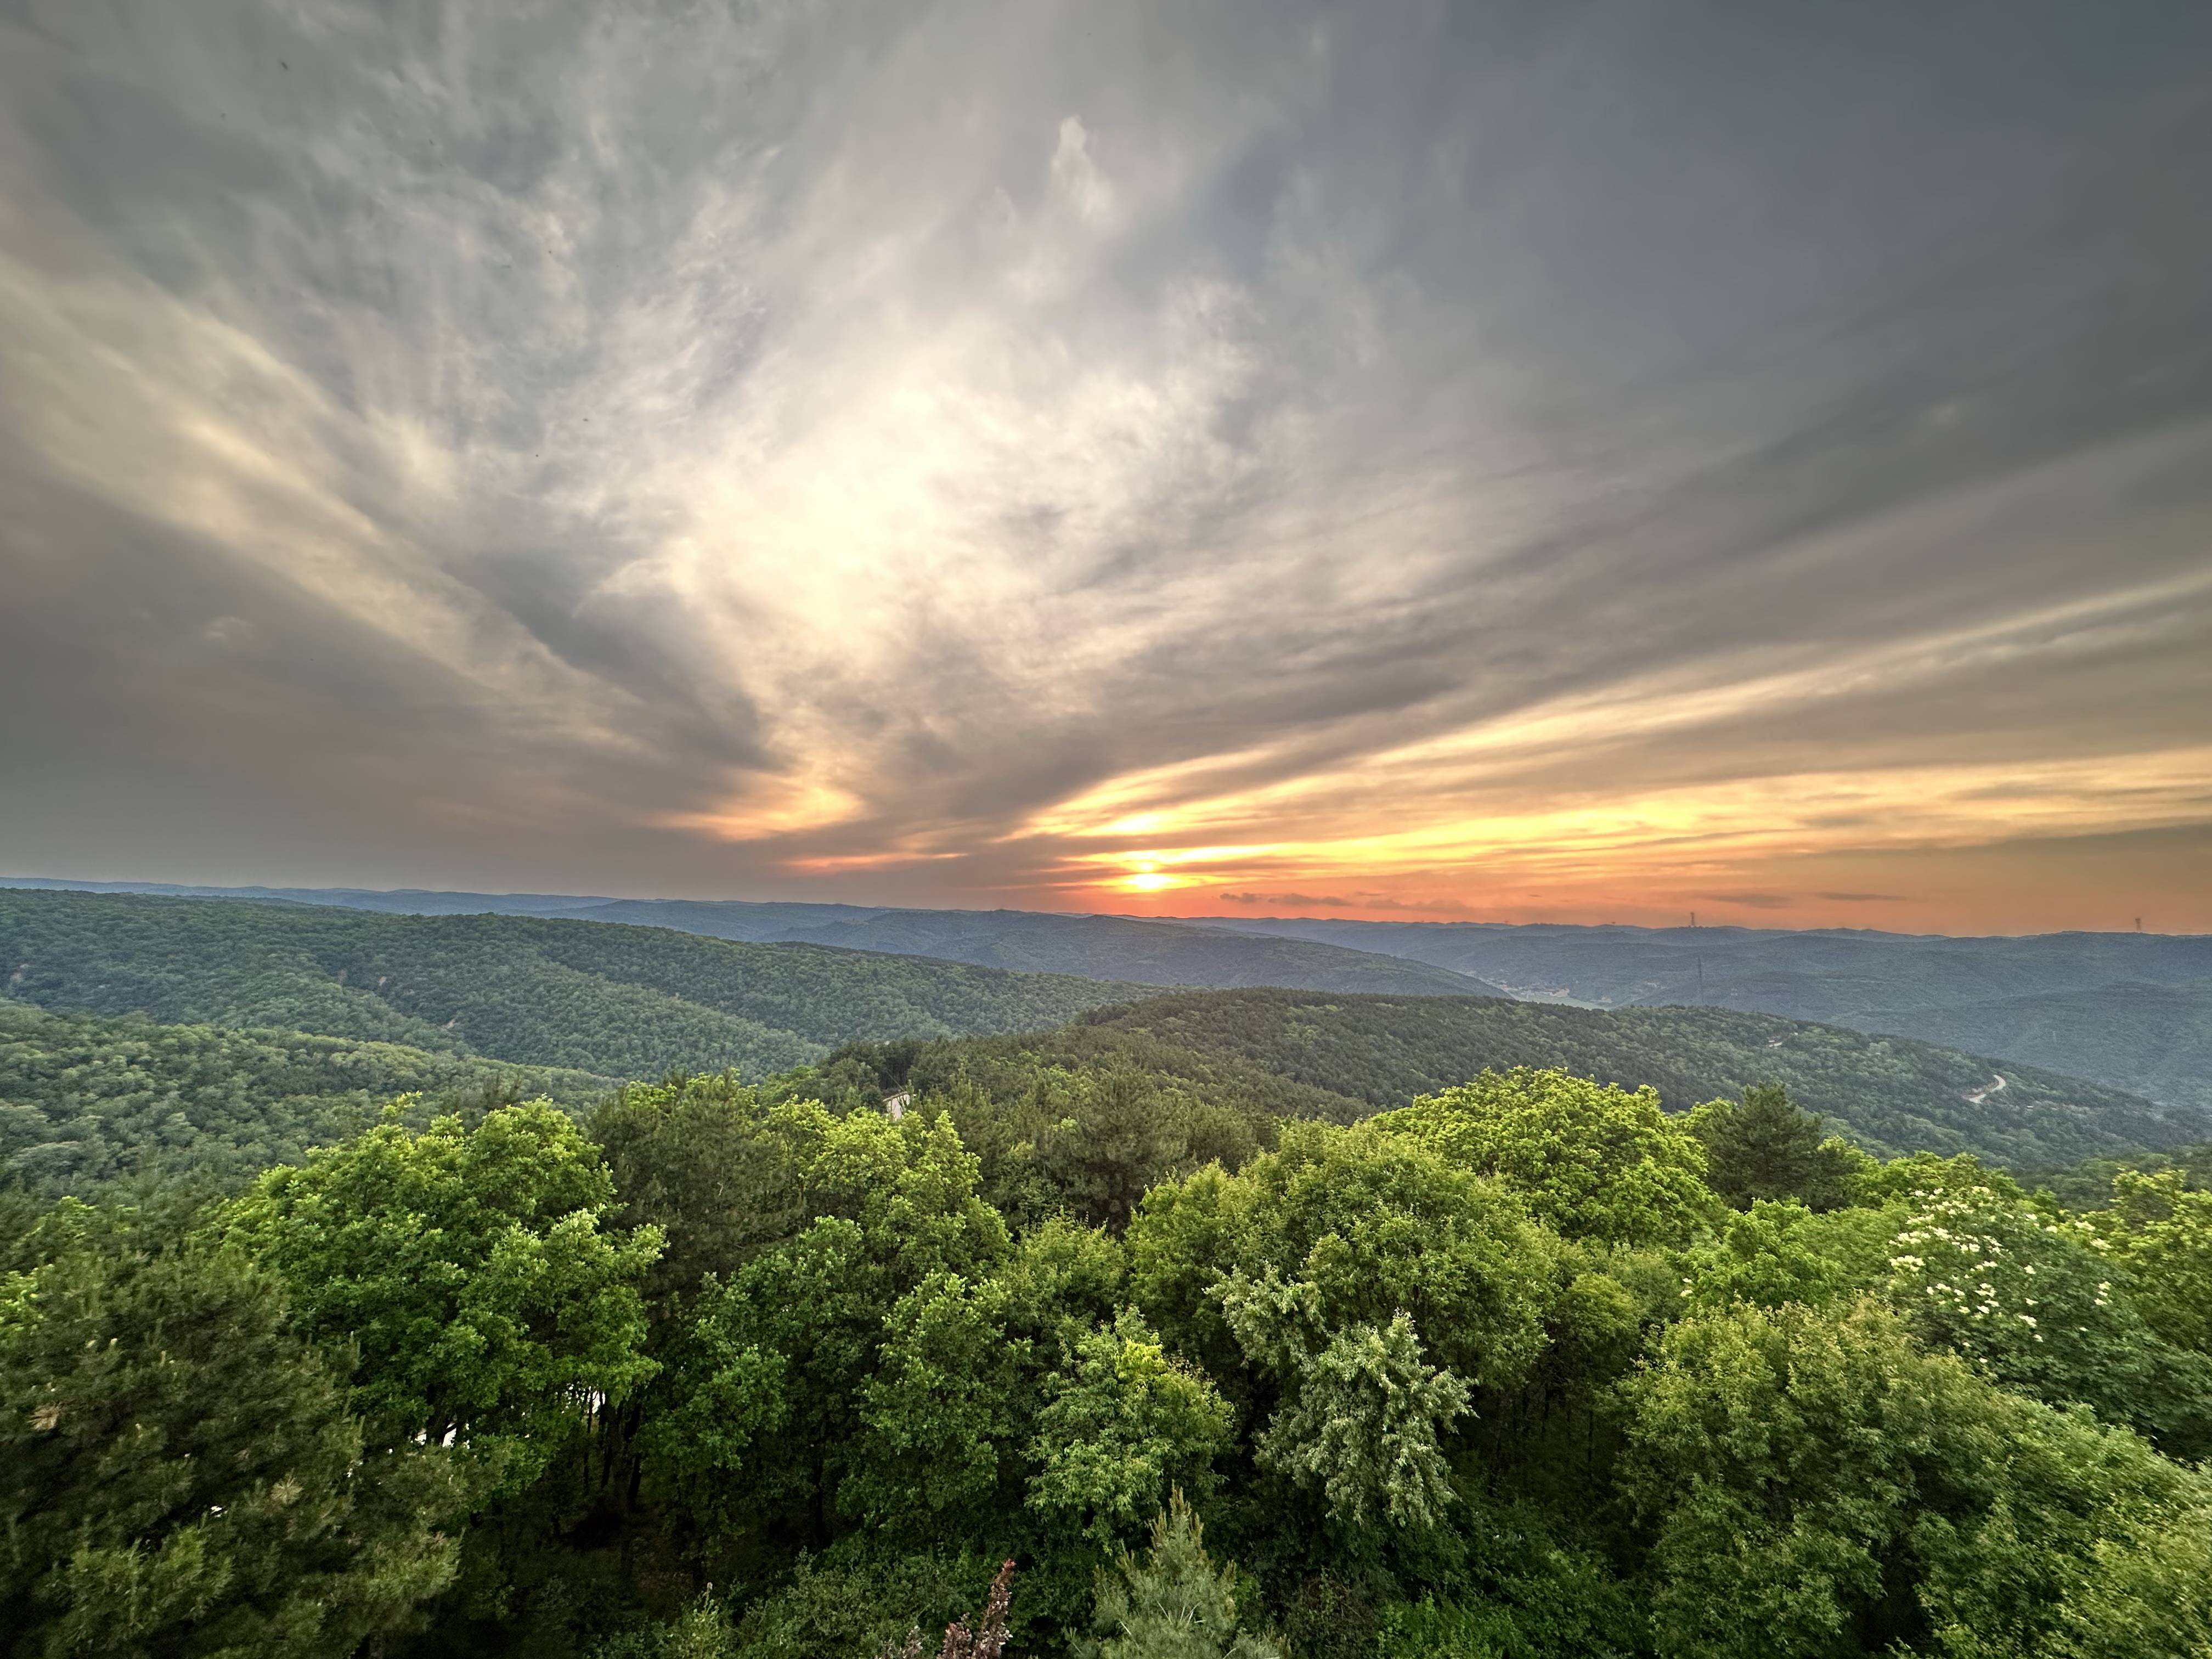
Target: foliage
{"type": "Point", "coordinates": [88, 1106]}
{"type": "Point", "coordinates": [2161, 1229]}
{"type": "Point", "coordinates": [1374, 1224]}
{"type": "Point", "coordinates": [1886, 1094]}
{"type": "Point", "coordinates": [1762, 1146]}
{"type": "Point", "coordinates": [854, 1604]}
{"type": "Point", "coordinates": [1126, 1426]}
{"type": "Point", "coordinates": [180, 1475]}
{"type": "Point", "coordinates": [600, 997]}
{"type": "Point", "coordinates": [1363, 1412]}
{"type": "Point", "coordinates": [985, 1639]}
{"type": "Point", "coordinates": [701, 1630]}
{"type": "Point", "coordinates": [2035, 1301]}
{"type": "Point", "coordinates": [1817, 1484]}
{"type": "Point", "coordinates": [1590, 1160]}
{"type": "Point", "coordinates": [1173, 1604]}
{"type": "Point", "coordinates": [472, 1270]}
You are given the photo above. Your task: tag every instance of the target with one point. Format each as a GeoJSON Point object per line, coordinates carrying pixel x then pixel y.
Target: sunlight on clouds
{"type": "Point", "coordinates": [769, 807]}
{"type": "Point", "coordinates": [938, 475]}
{"type": "Point", "coordinates": [1714, 826]}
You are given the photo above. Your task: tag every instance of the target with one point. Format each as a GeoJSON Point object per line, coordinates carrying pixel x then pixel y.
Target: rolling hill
{"type": "Point", "coordinates": [1149, 953]}
{"type": "Point", "coordinates": [618, 1001]}
{"type": "Point", "coordinates": [624, 1000]}
{"type": "Point", "coordinates": [85, 1102]}
{"type": "Point", "coordinates": [1888, 1094]}
{"type": "Point", "coordinates": [2133, 1011]}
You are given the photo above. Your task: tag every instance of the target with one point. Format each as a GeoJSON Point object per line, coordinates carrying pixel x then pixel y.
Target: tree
{"type": "Point", "coordinates": [179, 1473]}
{"type": "Point", "coordinates": [939, 1416]}
{"type": "Point", "coordinates": [2159, 1229]}
{"type": "Point", "coordinates": [1363, 1412]}
{"type": "Point", "coordinates": [1762, 1147]}
{"type": "Point", "coordinates": [699, 1158]}
{"type": "Point", "coordinates": [1376, 1223]}
{"type": "Point", "coordinates": [472, 1271]}
{"type": "Point", "coordinates": [2034, 1302]}
{"type": "Point", "coordinates": [1590, 1159]}
{"type": "Point", "coordinates": [787, 1379]}
{"type": "Point", "coordinates": [1818, 1485]}
{"type": "Point", "coordinates": [1172, 1605]}
{"type": "Point", "coordinates": [1121, 1429]}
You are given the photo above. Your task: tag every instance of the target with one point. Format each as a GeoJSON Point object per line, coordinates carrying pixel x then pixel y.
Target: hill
{"type": "Point", "coordinates": [1149, 953]}
{"type": "Point", "coordinates": [86, 1102]}
{"type": "Point", "coordinates": [618, 1001]}
{"type": "Point", "coordinates": [1889, 1094]}
{"type": "Point", "coordinates": [2133, 1011]}
{"type": "Point", "coordinates": [634, 1001]}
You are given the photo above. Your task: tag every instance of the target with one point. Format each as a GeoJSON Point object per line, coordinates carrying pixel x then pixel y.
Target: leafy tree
{"type": "Point", "coordinates": [1818, 1485]}
{"type": "Point", "coordinates": [939, 1416]}
{"type": "Point", "coordinates": [1591, 1160]}
{"type": "Point", "coordinates": [1363, 1412]}
{"type": "Point", "coordinates": [1376, 1223]}
{"type": "Point", "coordinates": [1762, 1147]}
{"type": "Point", "coordinates": [1125, 1426]}
{"type": "Point", "coordinates": [2160, 1229]}
{"type": "Point", "coordinates": [471, 1269]}
{"type": "Point", "coordinates": [1173, 1604]}
{"type": "Point", "coordinates": [789, 1376]}
{"type": "Point", "coordinates": [2033, 1301]}
{"type": "Point", "coordinates": [178, 1472]}
{"type": "Point", "coordinates": [699, 1158]}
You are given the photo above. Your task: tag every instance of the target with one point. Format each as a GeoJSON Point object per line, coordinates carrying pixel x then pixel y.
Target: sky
{"type": "Point", "coordinates": [1551, 462]}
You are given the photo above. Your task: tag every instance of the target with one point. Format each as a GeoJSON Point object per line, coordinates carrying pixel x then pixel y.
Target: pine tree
{"type": "Point", "coordinates": [179, 1473]}
{"type": "Point", "coordinates": [1173, 1604]}
{"type": "Point", "coordinates": [1765, 1146]}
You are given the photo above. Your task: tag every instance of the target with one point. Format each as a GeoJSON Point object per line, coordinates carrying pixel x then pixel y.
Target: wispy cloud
{"type": "Point", "coordinates": [1378, 458]}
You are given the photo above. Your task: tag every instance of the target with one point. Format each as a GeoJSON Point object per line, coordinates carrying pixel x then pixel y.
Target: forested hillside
{"type": "Point", "coordinates": [1152, 953]}
{"type": "Point", "coordinates": [629, 1002]}
{"type": "Point", "coordinates": [1889, 1094]}
{"type": "Point", "coordinates": [87, 1103]}
{"type": "Point", "coordinates": [617, 1001]}
{"type": "Point", "coordinates": [2133, 1011]}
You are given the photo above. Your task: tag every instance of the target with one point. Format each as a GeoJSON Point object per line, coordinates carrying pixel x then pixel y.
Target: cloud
{"type": "Point", "coordinates": [753, 451]}
{"type": "Point", "coordinates": [1866, 898]}
{"type": "Point", "coordinates": [1754, 901]}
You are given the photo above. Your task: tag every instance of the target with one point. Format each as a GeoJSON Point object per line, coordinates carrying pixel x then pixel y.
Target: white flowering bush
{"type": "Point", "coordinates": [2035, 1301]}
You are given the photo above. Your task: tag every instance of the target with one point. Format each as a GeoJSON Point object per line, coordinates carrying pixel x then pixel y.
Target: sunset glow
{"type": "Point", "coordinates": [1186, 504]}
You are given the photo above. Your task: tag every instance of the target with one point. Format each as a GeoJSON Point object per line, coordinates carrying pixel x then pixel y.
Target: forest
{"type": "Point", "coordinates": [897, 1355]}
{"type": "Point", "coordinates": [617, 1001]}
{"type": "Point", "coordinates": [351, 1302]}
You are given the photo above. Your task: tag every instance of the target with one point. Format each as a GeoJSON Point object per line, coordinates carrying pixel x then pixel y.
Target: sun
{"type": "Point", "coordinates": [1148, 881]}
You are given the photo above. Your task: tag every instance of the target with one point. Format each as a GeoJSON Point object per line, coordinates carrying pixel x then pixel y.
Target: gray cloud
{"type": "Point", "coordinates": [740, 450]}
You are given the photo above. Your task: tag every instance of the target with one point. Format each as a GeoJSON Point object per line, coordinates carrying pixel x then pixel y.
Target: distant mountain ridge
{"type": "Point", "coordinates": [616, 1001]}
{"type": "Point", "coordinates": [1889, 1094]}
{"type": "Point", "coordinates": [2133, 1011]}
{"type": "Point", "coordinates": [1121, 948]}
